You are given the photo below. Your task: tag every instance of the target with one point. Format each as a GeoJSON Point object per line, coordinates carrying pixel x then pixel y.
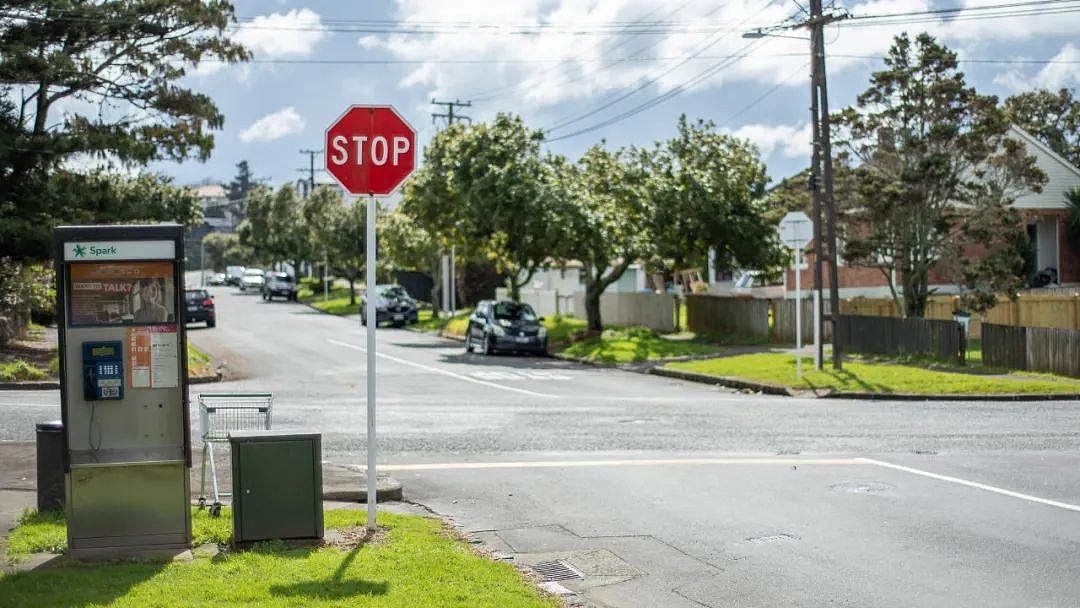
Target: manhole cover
{"type": "Point", "coordinates": [557, 570]}
{"type": "Point", "coordinates": [773, 538]}
{"type": "Point", "coordinates": [863, 487]}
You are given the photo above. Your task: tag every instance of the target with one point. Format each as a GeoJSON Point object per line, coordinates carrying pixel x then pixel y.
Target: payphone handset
{"type": "Point", "coordinates": [103, 371]}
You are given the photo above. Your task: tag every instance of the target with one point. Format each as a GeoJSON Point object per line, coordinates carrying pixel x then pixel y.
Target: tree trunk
{"type": "Point", "coordinates": [592, 305]}
{"type": "Point", "coordinates": [352, 291]}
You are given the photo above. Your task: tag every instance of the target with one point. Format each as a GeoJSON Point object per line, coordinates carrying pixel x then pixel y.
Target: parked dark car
{"type": "Point", "coordinates": [392, 305]}
{"type": "Point", "coordinates": [233, 274]}
{"type": "Point", "coordinates": [504, 325]}
{"type": "Point", "coordinates": [199, 307]}
{"type": "Point", "coordinates": [279, 284]}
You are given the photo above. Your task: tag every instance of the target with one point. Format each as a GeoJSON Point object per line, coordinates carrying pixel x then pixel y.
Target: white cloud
{"type": "Point", "coordinates": [588, 64]}
{"type": "Point", "coordinates": [1051, 76]}
{"type": "Point", "coordinates": [790, 141]}
{"type": "Point", "coordinates": [274, 126]}
{"type": "Point", "coordinates": [294, 33]}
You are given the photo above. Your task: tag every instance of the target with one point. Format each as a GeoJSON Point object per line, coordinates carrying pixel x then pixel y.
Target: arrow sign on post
{"type": "Point", "coordinates": [370, 150]}
{"type": "Point", "coordinates": [796, 230]}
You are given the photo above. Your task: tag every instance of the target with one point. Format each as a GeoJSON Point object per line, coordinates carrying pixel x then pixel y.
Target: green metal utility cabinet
{"type": "Point", "coordinates": [277, 485]}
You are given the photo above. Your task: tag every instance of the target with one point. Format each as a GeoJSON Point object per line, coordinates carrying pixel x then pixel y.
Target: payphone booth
{"type": "Point", "coordinates": [123, 389]}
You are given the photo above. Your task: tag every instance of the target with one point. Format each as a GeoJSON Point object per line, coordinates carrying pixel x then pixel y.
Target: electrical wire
{"type": "Point", "coordinates": [801, 70]}
{"type": "Point", "coordinates": [564, 122]}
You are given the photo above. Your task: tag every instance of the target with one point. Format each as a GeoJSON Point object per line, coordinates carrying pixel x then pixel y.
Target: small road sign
{"type": "Point", "coordinates": [370, 150]}
{"type": "Point", "coordinates": [796, 230]}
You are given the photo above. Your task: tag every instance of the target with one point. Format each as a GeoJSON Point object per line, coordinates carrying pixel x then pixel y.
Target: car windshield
{"type": "Point", "coordinates": [281, 276]}
{"type": "Point", "coordinates": [394, 291]}
{"type": "Point", "coordinates": [512, 311]}
{"type": "Point", "coordinates": [253, 272]}
{"type": "Point", "coordinates": [196, 294]}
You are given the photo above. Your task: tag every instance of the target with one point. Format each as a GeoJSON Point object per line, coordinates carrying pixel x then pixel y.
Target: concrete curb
{"type": "Point", "coordinates": [772, 389]}
{"type": "Point", "coordinates": [33, 385]}
{"type": "Point", "coordinates": [736, 383]}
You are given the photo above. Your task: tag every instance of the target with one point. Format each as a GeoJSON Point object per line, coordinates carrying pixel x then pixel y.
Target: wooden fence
{"type": "Point", "coordinates": [783, 321]}
{"type": "Point", "coordinates": [715, 315]}
{"type": "Point", "coordinates": [1035, 349]}
{"type": "Point", "coordinates": [942, 340]}
{"type": "Point", "coordinates": [1030, 309]}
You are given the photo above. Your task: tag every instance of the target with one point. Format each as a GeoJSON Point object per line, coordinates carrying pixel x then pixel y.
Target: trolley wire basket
{"type": "Point", "coordinates": [221, 414]}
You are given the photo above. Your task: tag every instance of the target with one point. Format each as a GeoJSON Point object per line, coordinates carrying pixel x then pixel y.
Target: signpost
{"type": "Point", "coordinates": [370, 150]}
{"type": "Point", "coordinates": [796, 230]}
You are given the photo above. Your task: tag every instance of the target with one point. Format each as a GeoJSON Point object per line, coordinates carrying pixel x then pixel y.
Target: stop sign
{"type": "Point", "coordinates": [370, 150]}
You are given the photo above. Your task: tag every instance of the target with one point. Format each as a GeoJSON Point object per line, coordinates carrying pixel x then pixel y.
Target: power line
{"type": "Point", "coordinates": [612, 101]}
{"type": "Point", "coordinates": [491, 93]}
{"type": "Point", "coordinates": [765, 95]}
{"type": "Point", "coordinates": [317, 61]}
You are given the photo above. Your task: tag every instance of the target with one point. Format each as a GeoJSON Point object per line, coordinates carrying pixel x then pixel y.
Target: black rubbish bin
{"type": "Point", "coordinates": [50, 466]}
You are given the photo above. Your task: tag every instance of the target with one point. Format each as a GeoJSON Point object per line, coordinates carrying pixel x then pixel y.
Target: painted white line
{"type": "Point", "coordinates": [26, 404]}
{"type": "Point", "coordinates": [974, 484]}
{"type": "Point", "coordinates": [556, 464]}
{"type": "Point", "coordinates": [444, 372]}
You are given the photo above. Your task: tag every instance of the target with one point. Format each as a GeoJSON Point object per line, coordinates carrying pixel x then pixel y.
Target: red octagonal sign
{"type": "Point", "coordinates": [370, 150]}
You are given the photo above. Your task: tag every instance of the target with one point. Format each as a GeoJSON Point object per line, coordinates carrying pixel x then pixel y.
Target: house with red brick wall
{"type": "Point", "coordinates": [1044, 215]}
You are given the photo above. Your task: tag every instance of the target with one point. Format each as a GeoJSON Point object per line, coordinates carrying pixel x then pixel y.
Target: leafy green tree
{"type": "Point", "coordinates": [217, 246]}
{"type": "Point", "coordinates": [935, 180]}
{"type": "Point", "coordinates": [254, 231]}
{"type": "Point", "coordinates": [484, 188]}
{"type": "Point", "coordinates": [605, 210]}
{"type": "Point", "coordinates": [240, 186]}
{"type": "Point", "coordinates": [1052, 117]}
{"type": "Point", "coordinates": [707, 190]}
{"type": "Point", "coordinates": [348, 243]}
{"type": "Point", "coordinates": [1072, 219]}
{"type": "Point", "coordinates": [123, 58]}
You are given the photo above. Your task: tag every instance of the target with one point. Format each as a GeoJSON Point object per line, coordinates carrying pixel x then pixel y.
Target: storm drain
{"type": "Point", "coordinates": [557, 570]}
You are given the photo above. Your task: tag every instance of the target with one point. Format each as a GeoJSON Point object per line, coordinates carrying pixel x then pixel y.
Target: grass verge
{"type": "Point", "coordinates": [633, 344]}
{"type": "Point", "coordinates": [19, 370]}
{"type": "Point", "coordinates": [199, 364]}
{"type": "Point", "coordinates": [417, 565]}
{"type": "Point", "coordinates": [336, 304]}
{"type": "Point", "coordinates": [453, 326]}
{"type": "Point", "coordinates": [779, 369]}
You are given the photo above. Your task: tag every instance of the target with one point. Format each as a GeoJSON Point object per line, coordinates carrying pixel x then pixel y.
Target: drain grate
{"type": "Point", "coordinates": [557, 570]}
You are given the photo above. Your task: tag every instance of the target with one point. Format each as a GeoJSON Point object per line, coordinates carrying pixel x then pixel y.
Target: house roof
{"type": "Point", "coordinates": [1033, 141]}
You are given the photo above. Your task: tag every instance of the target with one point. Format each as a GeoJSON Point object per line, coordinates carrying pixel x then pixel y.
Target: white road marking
{"type": "Point", "coordinates": [554, 464]}
{"type": "Point", "coordinates": [519, 375]}
{"type": "Point", "coordinates": [25, 404]}
{"type": "Point", "coordinates": [444, 372]}
{"type": "Point", "coordinates": [974, 484]}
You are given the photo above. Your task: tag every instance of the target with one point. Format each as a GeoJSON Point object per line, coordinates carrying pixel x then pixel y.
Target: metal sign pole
{"type": "Point", "coordinates": [372, 497]}
{"type": "Point", "coordinates": [798, 312]}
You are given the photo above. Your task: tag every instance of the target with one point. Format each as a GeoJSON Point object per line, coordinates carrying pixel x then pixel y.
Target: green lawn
{"type": "Point", "coordinates": [199, 363]}
{"type": "Point", "coordinates": [418, 564]}
{"type": "Point", "coordinates": [631, 344]}
{"type": "Point", "coordinates": [866, 377]}
{"type": "Point", "coordinates": [337, 304]}
{"type": "Point", "coordinates": [455, 326]}
{"type": "Point", "coordinates": [20, 370]}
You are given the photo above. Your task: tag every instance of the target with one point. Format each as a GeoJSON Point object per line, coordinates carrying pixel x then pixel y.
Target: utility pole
{"type": "Point", "coordinates": [449, 265]}
{"type": "Point", "coordinates": [311, 168]}
{"type": "Point", "coordinates": [449, 115]}
{"type": "Point", "coordinates": [821, 173]}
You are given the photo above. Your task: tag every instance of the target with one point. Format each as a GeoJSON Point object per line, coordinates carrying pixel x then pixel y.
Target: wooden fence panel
{"type": "Point", "coordinates": [1004, 346]}
{"type": "Point", "coordinates": [718, 315]}
{"type": "Point", "coordinates": [942, 340]}
{"type": "Point", "coordinates": [783, 324]}
{"type": "Point", "coordinates": [1056, 351]}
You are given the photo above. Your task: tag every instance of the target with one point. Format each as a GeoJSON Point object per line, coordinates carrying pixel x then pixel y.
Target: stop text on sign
{"type": "Point", "coordinates": [378, 149]}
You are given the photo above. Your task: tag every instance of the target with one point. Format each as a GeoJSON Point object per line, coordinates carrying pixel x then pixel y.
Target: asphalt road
{"type": "Point", "coordinates": [667, 493]}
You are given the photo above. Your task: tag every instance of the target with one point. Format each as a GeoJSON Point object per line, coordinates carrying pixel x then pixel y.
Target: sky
{"type": "Point", "coordinates": [617, 71]}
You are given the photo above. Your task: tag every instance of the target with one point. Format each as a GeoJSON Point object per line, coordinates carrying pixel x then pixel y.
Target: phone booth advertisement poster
{"type": "Point", "coordinates": [122, 293]}
{"type": "Point", "coordinates": [153, 353]}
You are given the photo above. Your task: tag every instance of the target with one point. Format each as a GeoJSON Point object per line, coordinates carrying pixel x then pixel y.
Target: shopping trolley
{"type": "Point", "coordinates": [220, 414]}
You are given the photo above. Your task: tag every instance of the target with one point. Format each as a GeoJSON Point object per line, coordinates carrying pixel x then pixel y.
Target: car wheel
{"type": "Point", "coordinates": [468, 341]}
{"type": "Point", "coordinates": [486, 346]}
{"type": "Point", "coordinates": [363, 320]}
{"type": "Point", "coordinates": [211, 323]}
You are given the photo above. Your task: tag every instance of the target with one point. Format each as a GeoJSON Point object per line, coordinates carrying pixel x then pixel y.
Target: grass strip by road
{"type": "Point", "coordinates": [417, 564]}
{"type": "Point", "coordinates": [453, 326]}
{"type": "Point", "coordinates": [199, 363]}
{"type": "Point", "coordinates": [336, 302]}
{"type": "Point", "coordinates": [866, 377]}
{"type": "Point", "coordinates": [634, 344]}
